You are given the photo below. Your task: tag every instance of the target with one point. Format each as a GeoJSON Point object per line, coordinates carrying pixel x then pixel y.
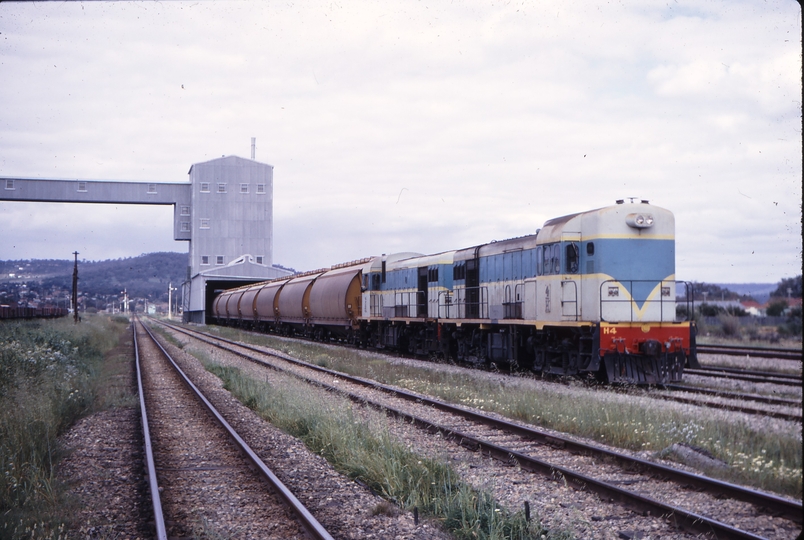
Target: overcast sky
{"type": "Point", "coordinates": [414, 125]}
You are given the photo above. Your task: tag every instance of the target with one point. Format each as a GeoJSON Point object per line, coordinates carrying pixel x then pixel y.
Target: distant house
{"type": "Point", "coordinates": [759, 310]}
{"type": "Point", "coordinates": [752, 307]}
{"type": "Point", "coordinates": [725, 304]}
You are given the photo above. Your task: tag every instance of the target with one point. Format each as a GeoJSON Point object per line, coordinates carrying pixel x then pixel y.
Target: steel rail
{"type": "Point", "coordinates": [681, 518]}
{"type": "Point", "coordinates": [759, 352]}
{"type": "Point", "coordinates": [153, 483]}
{"type": "Point", "coordinates": [790, 509]}
{"type": "Point", "coordinates": [756, 373]}
{"type": "Point", "coordinates": [310, 523]}
{"type": "Point", "coordinates": [729, 407]}
{"type": "Point", "coordinates": [734, 395]}
{"type": "Point", "coordinates": [714, 372]}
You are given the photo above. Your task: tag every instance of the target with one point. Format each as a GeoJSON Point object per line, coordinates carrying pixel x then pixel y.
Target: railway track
{"type": "Point", "coordinates": [525, 446]}
{"type": "Point", "coordinates": [792, 416]}
{"type": "Point", "coordinates": [770, 400]}
{"type": "Point", "coordinates": [746, 375]}
{"type": "Point", "coordinates": [758, 352]}
{"type": "Point", "coordinates": [200, 471]}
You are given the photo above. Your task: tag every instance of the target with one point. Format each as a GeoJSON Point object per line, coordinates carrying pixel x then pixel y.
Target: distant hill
{"type": "Point", "coordinates": [758, 291]}
{"type": "Point", "coordinates": [146, 276]}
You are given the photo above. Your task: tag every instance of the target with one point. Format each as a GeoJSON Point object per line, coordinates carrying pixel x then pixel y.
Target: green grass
{"type": "Point", "coordinates": [51, 373]}
{"type": "Point", "coordinates": [757, 454]}
{"type": "Point", "coordinates": [363, 448]}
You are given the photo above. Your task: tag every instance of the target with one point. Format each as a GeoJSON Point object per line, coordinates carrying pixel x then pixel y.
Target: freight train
{"type": "Point", "coordinates": [8, 312]}
{"type": "Point", "coordinates": [591, 294]}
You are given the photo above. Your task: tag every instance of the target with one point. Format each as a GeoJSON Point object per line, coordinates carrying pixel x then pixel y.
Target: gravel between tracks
{"type": "Point", "coordinates": [104, 470]}
{"type": "Point", "coordinates": [207, 486]}
{"type": "Point", "coordinates": [104, 473]}
{"type": "Point", "coordinates": [586, 514]}
{"type": "Point", "coordinates": [560, 507]}
{"type": "Point", "coordinates": [342, 506]}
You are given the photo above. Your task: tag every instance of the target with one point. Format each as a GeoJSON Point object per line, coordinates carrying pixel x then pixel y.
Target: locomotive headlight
{"type": "Point", "coordinates": [639, 221]}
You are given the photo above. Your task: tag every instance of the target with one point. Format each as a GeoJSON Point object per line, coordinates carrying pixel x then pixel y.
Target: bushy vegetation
{"type": "Point", "coordinates": [48, 379]}
{"type": "Point", "coordinates": [776, 308]}
{"type": "Point", "coordinates": [365, 450]}
{"type": "Point", "coordinates": [793, 327]}
{"type": "Point", "coordinates": [789, 286]}
{"type": "Point", "coordinates": [711, 310]}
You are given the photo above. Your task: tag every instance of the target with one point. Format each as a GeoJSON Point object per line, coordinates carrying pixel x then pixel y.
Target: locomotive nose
{"type": "Point", "coordinates": [650, 347]}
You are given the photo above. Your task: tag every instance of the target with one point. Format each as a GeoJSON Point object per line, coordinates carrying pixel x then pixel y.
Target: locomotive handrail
{"type": "Point", "coordinates": [402, 299]}
{"type": "Point", "coordinates": [456, 300]}
{"type": "Point", "coordinates": [628, 285]}
{"type": "Point", "coordinates": [512, 306]}
{"type": "Point", "coordinates": [573, 302]}
{"type": "Point", "coordinates": [376, 303]}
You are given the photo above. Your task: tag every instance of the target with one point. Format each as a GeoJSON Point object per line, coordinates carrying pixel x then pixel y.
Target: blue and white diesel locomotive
{"type": "Point", "coordinates": [589, 294]}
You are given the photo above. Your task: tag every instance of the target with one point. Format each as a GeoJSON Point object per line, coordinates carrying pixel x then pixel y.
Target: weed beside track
{"type": "Point", "coordinates": [366, 451]}
{"type": "Point", "coordinates": [764, 453]}
{"type": "Point", "coordinates": [51, 374]}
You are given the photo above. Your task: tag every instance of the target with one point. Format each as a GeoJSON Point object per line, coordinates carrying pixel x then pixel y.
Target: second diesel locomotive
{"type": "Point", "coordinates": [590, 294]}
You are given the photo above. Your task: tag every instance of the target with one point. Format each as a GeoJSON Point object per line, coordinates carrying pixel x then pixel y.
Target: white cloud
{"type": "Point", "coordinates": [425, 127]}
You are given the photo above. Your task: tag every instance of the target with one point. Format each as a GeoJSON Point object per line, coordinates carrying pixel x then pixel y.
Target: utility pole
{"type": "Point", "coordinates": [171, 288]}
{"type": "Point", "coordinates": [75, 288]}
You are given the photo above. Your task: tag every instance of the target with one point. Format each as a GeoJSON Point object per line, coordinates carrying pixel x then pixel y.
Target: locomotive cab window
{"type": "Point", "coordinates": [539, 261]}
{"type": "Point", "coordinates": [572, 258]}
{"type": "Point", "coordinates": [556, 258]}
{"type": "Point", "coordinates": [551, 259]}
